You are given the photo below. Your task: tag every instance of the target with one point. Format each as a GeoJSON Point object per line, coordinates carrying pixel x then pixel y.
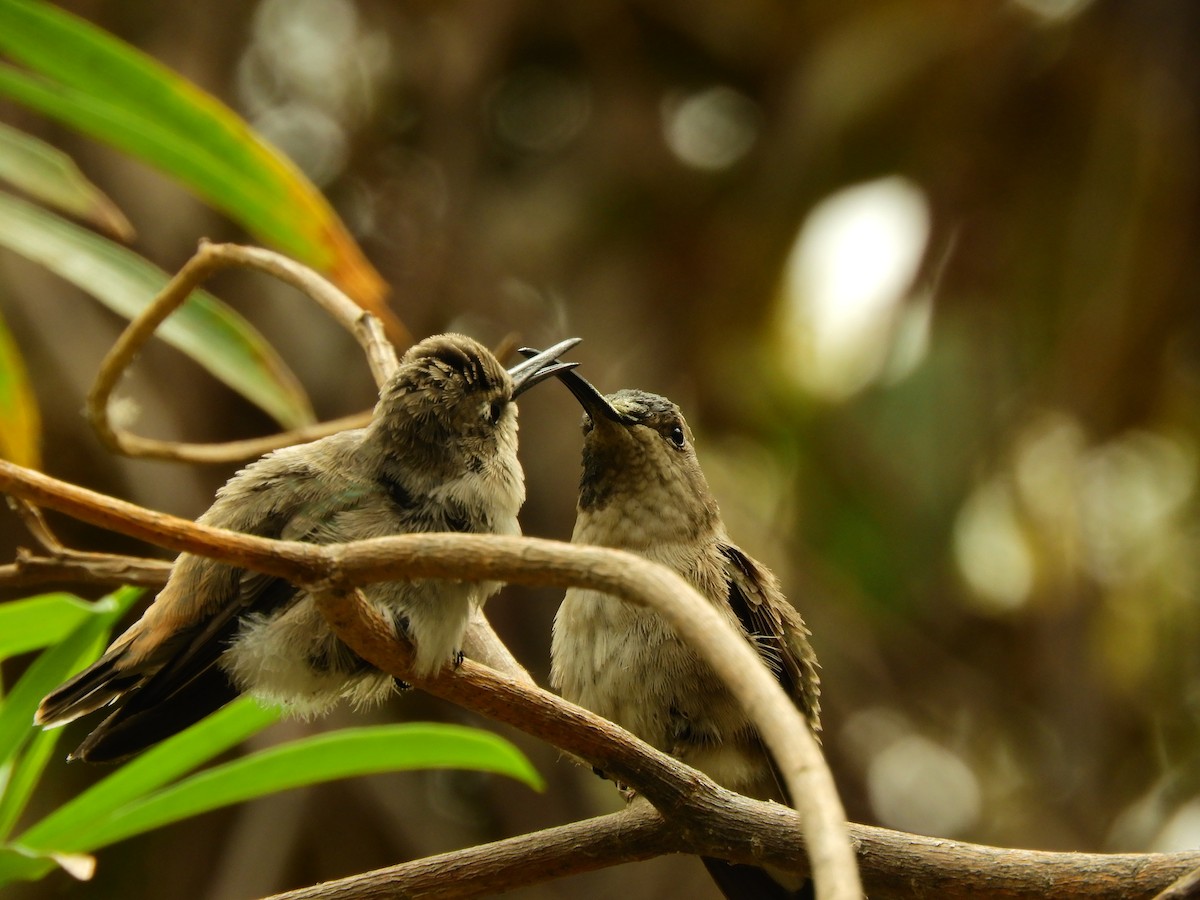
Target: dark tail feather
{"type": "Point", "coordinates": [91, 689]}
{"type": "Point", "coordinates": [741, 882]}
{"type": "Point", "coordinates": [136, 726]}
{"type": "Point", "coordinates": [181, 693]}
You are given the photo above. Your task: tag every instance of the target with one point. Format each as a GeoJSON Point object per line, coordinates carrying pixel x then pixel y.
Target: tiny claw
{"type": "Point", "coordinates": [401, 685]}
{"type": "Point", "coordinates": [458, 658]}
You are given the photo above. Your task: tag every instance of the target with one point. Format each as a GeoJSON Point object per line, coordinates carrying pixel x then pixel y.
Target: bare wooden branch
{"type": "Point", "coordinates": [1185, 888]}
{"type": "Point", "coordinates": [893, 863]}
{"type": "Point", "coordinates": [103, 569]}
{"type": "Point", "coordinates": [482, 644]}
{"type": "Point", "coordinates": [335, 569]}
{"type": "Point", "coordinates": [36, 524]}
{"type": "Point", "coordinates": [634, 834]}
{"type": "Point", "coordinates": [59, 563]}
{"type": "Point", "coordinates": [207, 261]}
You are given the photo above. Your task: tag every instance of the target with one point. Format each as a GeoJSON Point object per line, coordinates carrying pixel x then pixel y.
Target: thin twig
{"type": "Point", "coordinates": [530, 561]}
{"type": "Point", "coordinates": [59, 563]}
{"type": "Point", "coordinates": [36, 524]}
{"type": "Point", "coordinates": [101, 569]}
{"type": "Point", "coordinates": [207, 261]}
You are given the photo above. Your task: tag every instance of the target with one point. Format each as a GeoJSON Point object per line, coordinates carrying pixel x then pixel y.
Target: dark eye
{"type": "Point", "coordinates": [494, 411]}
{"type": "Point", "coordinates": [676, 436]}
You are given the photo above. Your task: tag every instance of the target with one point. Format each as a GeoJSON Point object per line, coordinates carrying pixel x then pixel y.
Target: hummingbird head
{"type": "Point", "coordinates": [639, 464]}
{"type": "Point", "coordinates": [449, 406]}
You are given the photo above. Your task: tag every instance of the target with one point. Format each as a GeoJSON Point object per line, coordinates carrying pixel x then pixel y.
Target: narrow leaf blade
{"type": "Point", "coordinates": [52, 667]}
{"type": "Point", "coordinates": [42, 621]}
{"type": "Point", "coordinates": [204, 328]}
{"type": "Point", "coordinates": [20, 422]}
{"type": "Point", "coordinates": [16, 865]}
{"type": "Point", "coordinates": [116, 93]}
{"type": "Point", "coordinates": [51, 177]}
{"type": "Point", "coordinates": [159, 765]}
{"type": "Point", "coordinates": [26, 771]}
{"type": "Point", "coordinates": [326, 757]}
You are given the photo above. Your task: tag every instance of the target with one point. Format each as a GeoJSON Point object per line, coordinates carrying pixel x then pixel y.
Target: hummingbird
{"type": "Point", "coordinates": [642, 490]}
{"type": "Point", "coordinates": [439, 454]}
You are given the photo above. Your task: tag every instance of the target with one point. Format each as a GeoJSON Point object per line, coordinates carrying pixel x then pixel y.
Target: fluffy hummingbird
{"type": "Point", "coordinates": [642, 490]}
{"type": "Point", "coordinates": [440, 454]}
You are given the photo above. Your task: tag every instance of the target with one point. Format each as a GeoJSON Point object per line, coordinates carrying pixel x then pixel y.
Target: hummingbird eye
{"type": "Point", "coordinates": [494, 411]}
{"type": "Point", "coordinates": [677, 437]}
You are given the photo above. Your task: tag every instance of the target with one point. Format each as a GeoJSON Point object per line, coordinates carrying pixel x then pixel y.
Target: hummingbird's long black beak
{"type": "Point", "coordinates": [593, 402]}
{"type": "Point", "coordinates": [540, 365]}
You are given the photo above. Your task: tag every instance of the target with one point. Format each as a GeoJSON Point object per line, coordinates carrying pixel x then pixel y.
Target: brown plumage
{"type": "Point", "coordinates": [440, 454]}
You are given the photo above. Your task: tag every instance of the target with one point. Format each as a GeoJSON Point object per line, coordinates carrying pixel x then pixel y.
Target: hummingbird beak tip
{"type": "Point", "coordinates": [540, 365]}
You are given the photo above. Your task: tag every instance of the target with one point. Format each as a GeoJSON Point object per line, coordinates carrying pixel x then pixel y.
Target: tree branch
{"type": "Point", "coordinates": [104, 569]}
{"type": "Point", "coordinates": [1184, 888]}
{"type": "Point", "coordinates": [634, 834]}
{"type": "Point", "coordinates": [208, 260]}
{"type": "Point", "coordinates": [894, 864]}
{"type": "Point", "coordinates": [61, 563]}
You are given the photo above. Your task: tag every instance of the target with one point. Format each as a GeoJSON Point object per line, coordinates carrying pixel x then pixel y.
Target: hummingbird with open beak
{"type": "Point", "coordinates": [642, 490]}
{"type": "Point", "coordinates": [440, 454]}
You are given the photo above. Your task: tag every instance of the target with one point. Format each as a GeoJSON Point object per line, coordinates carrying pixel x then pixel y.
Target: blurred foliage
{"type": "Point", "coordinates": [85, 78]}
{"type": "Point", "coordinates": [977, 478]}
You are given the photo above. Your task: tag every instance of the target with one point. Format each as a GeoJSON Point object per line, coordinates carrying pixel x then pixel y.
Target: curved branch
{"type": "Point", "coordinates": [207, 261]}
{"type": "Point", "coordinates": [531, 561]}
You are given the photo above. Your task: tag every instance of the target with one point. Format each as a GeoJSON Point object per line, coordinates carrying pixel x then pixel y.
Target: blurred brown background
{"type": "Point", "coordinates": [921, 274]}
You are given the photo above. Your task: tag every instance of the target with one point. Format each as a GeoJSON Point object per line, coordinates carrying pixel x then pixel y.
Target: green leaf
{"type": "Point", "coordinates": [50, 176]}
{"type": "Point", "coordinates": [149, 771]}
{"type": "Point", "coordinates": [24, 774]}
{"type": "Point", "coordinates": [204, 328]}
{"type": "Point", "coordinates": [41, 621]}
{"type": "Point", "coordinates": [340, 754]}
{"type": "Point", "coordinates": [52, 667]}
{"type": "Point", "coordinates": [15, 865]}
{"type": "Point", "coordinates": [112, 91]}
{"type": "Point", "coordinates": [20, 424]}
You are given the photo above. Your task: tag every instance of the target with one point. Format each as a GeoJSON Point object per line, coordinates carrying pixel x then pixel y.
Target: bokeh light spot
{"type": "Point", "coordinates": [917, 785]}
{"type": "Point", "coordinates": [850, 268]}
{"type": "Point", "coordinates": [711, 129]}
{"type": "Point", "coordinates": [991, 550]}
